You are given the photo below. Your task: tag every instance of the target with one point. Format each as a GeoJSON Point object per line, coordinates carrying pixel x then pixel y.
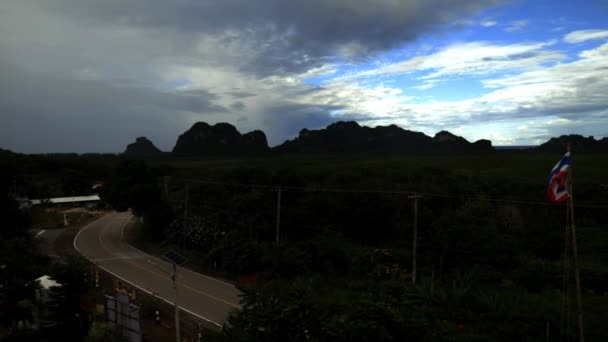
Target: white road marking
{"type": "Point", "coordinates": [133, 284]}
{"type": "Point", "coordinates": [40, 233]}
{"type": "Point", "coordinates": [122, 231]}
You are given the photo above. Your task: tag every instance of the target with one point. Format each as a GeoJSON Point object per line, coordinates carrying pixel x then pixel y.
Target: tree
{"type": "Point", "coordinates": [20, 263]}
{"type": "Point", "coordinates": [65, 310]}
{"type": "Point", "coordinates": [133, 185]}
{"type": "Point", "coordinates": [103, 332]}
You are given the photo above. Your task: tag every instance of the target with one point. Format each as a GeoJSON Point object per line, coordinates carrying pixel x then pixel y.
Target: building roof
{"type": "Point", "coordinates": [58, 200]}
{"type": "Point", "coordinates": [47, 282]}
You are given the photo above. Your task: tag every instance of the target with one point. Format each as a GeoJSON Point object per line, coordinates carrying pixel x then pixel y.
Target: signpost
{"type": "Point", "coordinates": [120, 312]}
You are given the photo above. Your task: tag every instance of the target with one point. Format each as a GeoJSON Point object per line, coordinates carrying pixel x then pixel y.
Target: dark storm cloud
{"type": "Point", "coordinates": [62, 115]}
{"type": "Point", "coordinates": [286, 121]}
{"type": "Point", "coordinates": [240, 94]}
{"type": "Point", "coordinates": [293, 36]}
{"type": "Point", "coordinates": [237, 106]}
{"type": "Point", "coordinates": [79, 75]}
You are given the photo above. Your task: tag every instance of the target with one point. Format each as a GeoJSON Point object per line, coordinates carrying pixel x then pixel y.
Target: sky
{"type": "Point", "coordinates": [91, 76]}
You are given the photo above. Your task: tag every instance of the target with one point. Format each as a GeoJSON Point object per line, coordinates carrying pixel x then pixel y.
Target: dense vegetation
{"type": "Point", "coordinates": [490, 245]}
{"type": "Point", "coordinates": [21, 262]}
{"type": "Point", "coordinates": [62, 318]}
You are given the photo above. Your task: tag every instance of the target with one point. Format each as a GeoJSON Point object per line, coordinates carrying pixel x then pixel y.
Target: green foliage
{"type": "Point", "coordinates": [20, 263]}
{"type": "Point", "coordinates": [102, 332]}
{"type": "Point", "coordinates": [311, 309]}
{"type": "Point", "coordinates": [148, 306]}
{"type": "Point", "coordinates": [236, 256]}
{"type": "Point", "coordinates": [156, 220]}
{"type": "Point", "coordinates": [15, 222]}
{"type": "Point", "coordinates": [131, 185]}
{"type": "Point", "coordinates": [194, 232]}
{"type": "Point", "coordinates": [488, 270]}
{"type": "Point", "coordinates": [70, 319]}
{"type": "Point", "coordinates": [134, 185]}
{"type": "Point", "coordinates": [46, 176]}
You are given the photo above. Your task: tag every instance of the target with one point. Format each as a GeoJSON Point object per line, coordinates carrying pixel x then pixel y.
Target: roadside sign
{"type": "Point", "coordinates": [174, 257]}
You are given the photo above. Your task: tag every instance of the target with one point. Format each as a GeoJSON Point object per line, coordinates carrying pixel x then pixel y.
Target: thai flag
{"type": "Point", "coordinates": [557, 190]}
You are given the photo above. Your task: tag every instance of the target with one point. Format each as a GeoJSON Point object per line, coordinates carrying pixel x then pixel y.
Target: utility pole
{"type": "Point", "coordinates": [175, 259]}
{"type": "Point", "coordinates": [278, 228]}
{"type": "Point", "coordinates": [186, 203]}
{"type": "Point", "coordinates": [174, 278]}
{"type": "Point", "coordinates": [415, 197]}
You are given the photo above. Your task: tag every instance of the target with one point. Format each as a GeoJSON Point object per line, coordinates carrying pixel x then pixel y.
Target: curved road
{"type": "Point", "coordinates": [101, 242]}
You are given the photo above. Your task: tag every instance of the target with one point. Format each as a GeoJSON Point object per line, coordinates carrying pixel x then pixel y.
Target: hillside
{"type": "Point", "coordinates": [142, 147]}
{"type": "Point", "coordinates": [577, 142]}
{"type": "Point", "coordinates": [350, 137]}
{"type": "Point", "coordinates": [221, 139]}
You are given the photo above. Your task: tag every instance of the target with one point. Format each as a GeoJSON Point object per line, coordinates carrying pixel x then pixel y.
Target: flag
{"type": "Point", "coordinates": [556, 189]}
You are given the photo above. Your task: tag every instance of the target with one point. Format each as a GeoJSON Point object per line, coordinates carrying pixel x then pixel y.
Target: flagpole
{"type": "Point", "coordinates": [575, 256]}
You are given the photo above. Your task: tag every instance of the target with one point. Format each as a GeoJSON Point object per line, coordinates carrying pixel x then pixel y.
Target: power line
{"type": "Point", "coordinates": [271, 187]}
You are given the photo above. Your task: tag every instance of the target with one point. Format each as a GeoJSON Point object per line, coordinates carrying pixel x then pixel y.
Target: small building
{"type": "Point", "coordinates": [41, 314]}
{"type": "Point", "coordinates": [64, 201]}
{"type": "Point", "coordinates": [97, 186]}
{"type": "Point", "coordinates": [24, 203]}
{"type": "Point", "coordinates": [46, 283]}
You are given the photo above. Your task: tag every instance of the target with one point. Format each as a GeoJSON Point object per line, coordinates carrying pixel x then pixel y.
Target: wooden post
{"type": "Point", "coordinates": [577, 277]}
{"type": "Point", "coordinates": [278, 227]}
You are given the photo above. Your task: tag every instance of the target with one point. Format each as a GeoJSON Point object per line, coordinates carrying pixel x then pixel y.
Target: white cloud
{"type": "Point", "coordinates": [471, 58]}
{"type": "Point", "coordinates": [584, 35]}
{"type": "Point", "coordinates": [427, 84]}
{"type": "Point", "coordinates": [481, 58]}
{"type": "Point", "coordinates": [218, 63]}
{"type": "Point", "coordinates": [591, 66]}
{"type": "Point", "coordinates": [600, 52]}
{"type": "Point", "coordinates": [560, 122]}
{"type": "Point", "coordinates": [517, 25]}
{"type": "Point", "coordinates": [527, 107]}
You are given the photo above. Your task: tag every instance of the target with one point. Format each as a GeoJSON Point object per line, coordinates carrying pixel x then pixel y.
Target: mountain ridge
{"type": "Point", "coordinates": [221, 139]}
{"type": "Point", "coordinates": [350, 138]}
{"type": "Point", "coordinates": [142, 147]}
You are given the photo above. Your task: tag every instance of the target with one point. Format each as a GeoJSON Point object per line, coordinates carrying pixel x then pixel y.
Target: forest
{"type": "Point", "coordinates": [490, 245]}
{"type": "Point", "coordinates": [332, 258]}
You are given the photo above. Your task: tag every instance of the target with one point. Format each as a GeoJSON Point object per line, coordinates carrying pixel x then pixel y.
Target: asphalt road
{"type": "Point", "coordinates": [101, 242]}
